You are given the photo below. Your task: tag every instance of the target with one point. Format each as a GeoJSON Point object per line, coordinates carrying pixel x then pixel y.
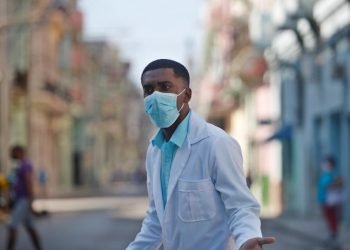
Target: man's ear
{"type": "Point", "coordinates": [188, 95]}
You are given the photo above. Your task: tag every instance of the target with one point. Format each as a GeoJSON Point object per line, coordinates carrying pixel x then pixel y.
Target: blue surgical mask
{"type": "Point", "coordinates": [162, 108]}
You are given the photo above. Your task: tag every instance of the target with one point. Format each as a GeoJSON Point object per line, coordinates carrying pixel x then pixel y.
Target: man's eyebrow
{"type": "Point", "coordinates": [150, 84]}
{"type": "Point", "coordinates": [147, 84]}
{"type": "Point", "coordinates": [164, 82]}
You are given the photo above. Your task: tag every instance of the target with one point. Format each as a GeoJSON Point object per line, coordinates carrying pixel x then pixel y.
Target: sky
{"type": "Point", "coordinates": [145, 30]}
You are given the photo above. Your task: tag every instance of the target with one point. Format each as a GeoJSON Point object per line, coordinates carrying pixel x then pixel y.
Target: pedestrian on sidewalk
{"type": "Point", "coordinates": [330, 195]}
{"type": "Point", "coordinates": [22, 210]}
{"type": "Point", "coordinates": [42, 180]}
{"type": "Point", "coordinates": [198, 195]}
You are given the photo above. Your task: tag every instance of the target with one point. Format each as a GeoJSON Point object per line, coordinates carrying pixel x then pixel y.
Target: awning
{"type": "Point", "coordinates": [282, 134]}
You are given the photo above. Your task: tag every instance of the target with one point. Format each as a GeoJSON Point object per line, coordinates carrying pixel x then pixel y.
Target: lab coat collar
{"type": "Point", "coordinates": [197, 130]}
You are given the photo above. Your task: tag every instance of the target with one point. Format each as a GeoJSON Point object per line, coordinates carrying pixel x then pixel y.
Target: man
{"type": "Point", "coordinates": [198, 196]}
{"type": "Point", "coordinates": [23, 191]}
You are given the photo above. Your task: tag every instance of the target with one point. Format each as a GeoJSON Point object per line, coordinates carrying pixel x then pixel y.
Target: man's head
{"type": "Point", "coordinates": [178, 69]}
{"type": "Point", "coordinates": [17, 152]}
{"type": "Point", "coordinates": [329, 163]}
{"type": "Point", "coordinates": [168, 76]}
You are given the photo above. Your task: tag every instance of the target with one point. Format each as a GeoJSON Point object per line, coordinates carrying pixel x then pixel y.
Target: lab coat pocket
{"type": "Point", "coordinates": [196, 200]}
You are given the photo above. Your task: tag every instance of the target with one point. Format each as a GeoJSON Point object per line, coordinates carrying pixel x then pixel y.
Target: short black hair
{"type": "Point", "coordinates": [331, 160]}
{"type": "Point", "coordinates": [18, 148]}
{"type": "Point", "coordinates": [179, 69]}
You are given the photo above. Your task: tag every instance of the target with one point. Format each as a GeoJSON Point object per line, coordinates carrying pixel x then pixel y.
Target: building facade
{"type": "Point", "coordinates": [70, 104]}
{"type": "Point", "coordinates": [309, 56]}
{"type": "Point", "coordinates": [237, 96]}
{"type": "Point", "coordinates": [117, 132]}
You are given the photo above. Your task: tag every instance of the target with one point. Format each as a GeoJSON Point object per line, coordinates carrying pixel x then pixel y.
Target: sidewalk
{"type": "Point", "coordinates": [84, 198]}
{"type": "Point", "coordinates": [117, 189]}
{"type": "Point", "coordinates": [312, 229]}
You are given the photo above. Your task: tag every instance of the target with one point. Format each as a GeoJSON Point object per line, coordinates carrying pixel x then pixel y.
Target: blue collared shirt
{"type": "Point", "coordinates": [168, 150]}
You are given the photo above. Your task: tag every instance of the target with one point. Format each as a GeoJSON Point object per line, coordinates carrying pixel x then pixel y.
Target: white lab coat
{"type": "Point", "coordinates": [208, 199]}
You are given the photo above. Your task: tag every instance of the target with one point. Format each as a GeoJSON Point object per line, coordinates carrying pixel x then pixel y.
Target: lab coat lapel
{"type": "Point", "coordinates": [197, 131]}
{"type": "Point", "coordinates": [157, 189]}
{"type": "Point", "coordinates": [178, 165]}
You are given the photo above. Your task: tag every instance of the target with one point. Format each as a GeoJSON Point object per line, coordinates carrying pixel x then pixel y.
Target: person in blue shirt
{"type": "Point", "coordinates": [329, 195]}
{"type": "Point", "coordinates": [198, 196]}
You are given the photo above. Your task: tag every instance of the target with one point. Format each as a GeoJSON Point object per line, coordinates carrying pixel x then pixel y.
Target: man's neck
{"type": "Point", "coordinates": [168, 132]}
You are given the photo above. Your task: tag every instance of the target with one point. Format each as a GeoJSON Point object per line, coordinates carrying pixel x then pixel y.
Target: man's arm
{"type": "Point", "coordinates": [150, 235]}
{"type": "Point", "coordinates": [241, 207]}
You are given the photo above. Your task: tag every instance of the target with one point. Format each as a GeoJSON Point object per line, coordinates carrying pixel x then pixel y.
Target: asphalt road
{"type": "Point", "coordinates": [112, 222]}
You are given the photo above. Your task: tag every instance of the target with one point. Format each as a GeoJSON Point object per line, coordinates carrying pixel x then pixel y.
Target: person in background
{"type": "Point", "coordinates": [42, 180]}
{"type": "Point", "coordinates": [4, 196]}
{"type": "Point", "coordinates": [198, 195]}
{"type": "Point", "coordinates": [330, 196]}
{"type": "Point", "coordinates": [22, 211]}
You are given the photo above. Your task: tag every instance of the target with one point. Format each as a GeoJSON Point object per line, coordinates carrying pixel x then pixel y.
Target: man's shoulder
{"type": "Point", "coordinates": [216, 133]}
{"type": "Point", "coordinates": [213, 133]}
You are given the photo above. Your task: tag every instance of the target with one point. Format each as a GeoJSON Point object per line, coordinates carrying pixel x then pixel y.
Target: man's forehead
{"type": "Point", "coordinates": [164, 72]}
{"type": "Point", "coordinates": [159, 75]}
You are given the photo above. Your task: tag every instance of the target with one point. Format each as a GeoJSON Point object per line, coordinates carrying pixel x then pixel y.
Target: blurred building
{"type": "Point", "coordinates": [70, 103]}
{"type": "Point", "coordinates": [307, 45]}
{"type": "Point", "coordinates": [237, 95]}
{"type": "Point", "coordinates": [116, 133]}
{"type": "Point", "coordinates": [37, 101]}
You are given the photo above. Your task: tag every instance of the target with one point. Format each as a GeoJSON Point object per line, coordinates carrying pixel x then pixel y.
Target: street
{"type": "Point", "coordinates": [81, 227]}
{"type": "Point", "coordinates": [289, 240]}
{"type": "Point", "coordinates": [112, 222]}
{"type": "Point", "coordinates": [81, 231]}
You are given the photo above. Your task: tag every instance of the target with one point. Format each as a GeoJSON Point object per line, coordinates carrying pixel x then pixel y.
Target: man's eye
{"type": "Point", "coordinates": [166, 87]}
{"type": "Point", "coordinates": [148, 91]}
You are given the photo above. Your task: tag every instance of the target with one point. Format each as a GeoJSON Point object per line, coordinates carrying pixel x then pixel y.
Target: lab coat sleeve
{"type": "Point", "coordinates": [149, 238]}
{"type": "Point", "coordinates": [241, 207]}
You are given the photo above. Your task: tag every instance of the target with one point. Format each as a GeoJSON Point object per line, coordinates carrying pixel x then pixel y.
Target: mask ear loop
{"type": "Point", "coordinates": [181, 107]}
{"type": "Point", "coordinates": [181, 92]}
{"type": "Point", "coordinates": [183, 103]}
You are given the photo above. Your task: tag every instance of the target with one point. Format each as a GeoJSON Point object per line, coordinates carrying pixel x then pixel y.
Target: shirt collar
{"type": "Point", "coordinates": [158, 139]}
{"type": "Point", "coordinates": [177, 138]}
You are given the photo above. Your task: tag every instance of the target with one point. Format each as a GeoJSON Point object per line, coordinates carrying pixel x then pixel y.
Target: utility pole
{"type": "Point", "coordinates": [4, 92]}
